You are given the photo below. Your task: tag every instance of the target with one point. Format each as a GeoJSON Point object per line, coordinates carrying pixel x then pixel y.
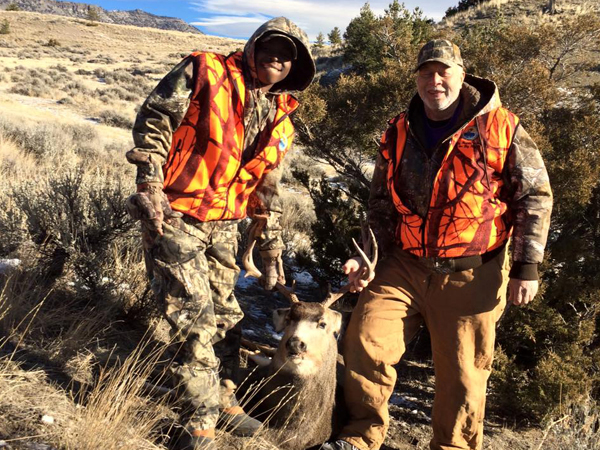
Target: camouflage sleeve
{"type": "Point", "coordinates": [530, 205]}
{"type": "Point", "coordinates": [159, 116]}
{"type": "Point", "coordinates": [382, 214]}
{"type": "Point", "coordinates": [265, 204]}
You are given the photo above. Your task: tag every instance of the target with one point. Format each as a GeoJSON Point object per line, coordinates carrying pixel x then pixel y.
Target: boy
{"type": "Point", "coordinates": [208, 143]}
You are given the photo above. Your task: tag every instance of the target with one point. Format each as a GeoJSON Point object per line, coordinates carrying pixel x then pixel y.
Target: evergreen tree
{"type": "Point", "coordinates": [463, 5]}
{"type": "Point", "coordinates": [362, 49]}
{"type": "Point", "coordinates": [335, 37]}
{"type": "Point", "coordinates": [371, 40]}
{"type": "Point", "coordinates": [320, 40]}
{"type": "Point", "coordinates": [92, 16]}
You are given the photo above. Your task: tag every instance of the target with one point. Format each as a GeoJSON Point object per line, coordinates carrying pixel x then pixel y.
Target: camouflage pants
{"type": "Point", "coordinates": [192, 271]}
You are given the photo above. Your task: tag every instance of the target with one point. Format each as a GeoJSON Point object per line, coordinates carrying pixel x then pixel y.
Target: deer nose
{"type": "Point", "coordinates": [295, 346]}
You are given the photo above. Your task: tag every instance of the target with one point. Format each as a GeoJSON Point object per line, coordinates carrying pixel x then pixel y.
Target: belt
{"type": "Point", "coordinates": [451, 265]}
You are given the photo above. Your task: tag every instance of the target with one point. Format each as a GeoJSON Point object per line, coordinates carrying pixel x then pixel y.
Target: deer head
{"type": "Point", "coordinates": [310, 328]}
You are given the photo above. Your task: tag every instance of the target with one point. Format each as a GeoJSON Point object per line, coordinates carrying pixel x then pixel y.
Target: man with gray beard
{"type": "Point", "coordinates": [457, 176]}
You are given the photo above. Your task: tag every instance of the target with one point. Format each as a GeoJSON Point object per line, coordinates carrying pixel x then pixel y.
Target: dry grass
{"type": "Point", "coordinates": [111, 413]}
{"type": "Point", "coordinates": [78, 283]}
{"type": "Point", "coordinates": [527, 11]}
{"type": "Point", "coordinates": [116, 414]}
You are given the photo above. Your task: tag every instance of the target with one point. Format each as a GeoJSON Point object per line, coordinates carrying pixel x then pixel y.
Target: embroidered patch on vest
{"type": "Point", "coordinates": [283, 142]}
{"type": "Point", "coordinates": [470, 134]}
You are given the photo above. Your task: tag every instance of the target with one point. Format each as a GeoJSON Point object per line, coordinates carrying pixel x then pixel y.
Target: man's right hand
{"type": "Point", "coordinates": [150, 205]}
{"type": "Point", "coordinates": [350, 268]}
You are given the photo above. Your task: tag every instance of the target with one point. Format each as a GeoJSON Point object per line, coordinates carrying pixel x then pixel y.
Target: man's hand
{"type": "Point", "coordinates": [521, 292]}
{"type": "Point", "coordinates": [272, 268]}
{"type": "Point", "coordinates": [350, 268]}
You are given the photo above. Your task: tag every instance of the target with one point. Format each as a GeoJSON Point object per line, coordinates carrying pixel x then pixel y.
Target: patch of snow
{"type": "Point", "coordinates": [47, 419]}
{"type": "Point", "coordinates": [411, 404]}
{"type": "Point", "coordinates": [304, 278]}
{"type": "Point", "coordinates": [399, 400]}
{"type": "Point", "coordinates": [271, 331]}
{"type": "Point", "coordinates": [246, 282]}
{"type": "Point", "coordinates": [8, 264]}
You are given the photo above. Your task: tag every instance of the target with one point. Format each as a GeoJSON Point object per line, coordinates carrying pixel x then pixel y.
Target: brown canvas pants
{"type": "Point", "coordinates": [460, 310]}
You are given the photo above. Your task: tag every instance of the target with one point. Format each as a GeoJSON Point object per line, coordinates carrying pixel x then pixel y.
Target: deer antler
{"type": "Point", "coordinates": [369, 258]}
{"type": "Point", "coordinates": [252, 271]}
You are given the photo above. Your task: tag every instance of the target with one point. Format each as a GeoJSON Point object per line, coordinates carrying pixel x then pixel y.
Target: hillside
{"type": "Point", "coordinates": [78, 332]}
{"type": "Point", "coordinates": [525, 12]}
{"type": "Point", "coordinates": [136, 17]}
{"type": "Point", "coordinates": [533, 14]}
{"type": "Point", "coordinates": [39, 43]}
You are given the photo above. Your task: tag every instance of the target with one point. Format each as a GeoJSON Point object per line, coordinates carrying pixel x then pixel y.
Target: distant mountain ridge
{"type": "Point", "coordinates": [136, 17]}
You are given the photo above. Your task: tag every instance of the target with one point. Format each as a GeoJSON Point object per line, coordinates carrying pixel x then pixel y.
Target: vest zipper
{"type": "Point", "coordinates": [424, 219]}
{"type": "Point", "coordinates": [483, 153]}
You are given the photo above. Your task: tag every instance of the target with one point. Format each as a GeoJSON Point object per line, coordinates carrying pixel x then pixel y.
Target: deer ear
{"type": "Point", "coordinates": [279, 316]}
{"type": "Point", "coordinates": [336, 323]}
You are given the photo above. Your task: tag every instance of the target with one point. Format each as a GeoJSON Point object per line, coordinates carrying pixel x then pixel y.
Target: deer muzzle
{"type": "Point", "coordinates": [295, 346]}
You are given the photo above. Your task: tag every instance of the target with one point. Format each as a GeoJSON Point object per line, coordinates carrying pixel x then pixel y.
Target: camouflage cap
{"type": "Point", "coordinates": [268, 36]}
{"type": "Point", "coordinates": [440, 50]}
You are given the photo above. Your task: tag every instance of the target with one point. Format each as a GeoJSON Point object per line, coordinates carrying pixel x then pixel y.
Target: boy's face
{"type": "Point", "coordinates": [273, 60]}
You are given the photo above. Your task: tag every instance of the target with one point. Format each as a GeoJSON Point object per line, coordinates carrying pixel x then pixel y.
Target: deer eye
{"type": "Point", "coordinates": [322, 325]}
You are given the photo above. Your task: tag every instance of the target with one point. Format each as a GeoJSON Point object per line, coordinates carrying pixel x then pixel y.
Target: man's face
{"type": "Point", "coordinates": [273, 60]}
{"type": "Point", "coordinates": [439, 85]}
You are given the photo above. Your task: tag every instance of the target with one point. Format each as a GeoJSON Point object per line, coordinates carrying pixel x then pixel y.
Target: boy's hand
{"type": "Point", "coordinates": [273, 269]}
{"type": "Point", "coordinates": [151, 206]}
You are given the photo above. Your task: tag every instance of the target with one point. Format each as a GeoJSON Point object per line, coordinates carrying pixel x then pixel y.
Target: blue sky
{"type": "Point", "coordinates": [235, 18]}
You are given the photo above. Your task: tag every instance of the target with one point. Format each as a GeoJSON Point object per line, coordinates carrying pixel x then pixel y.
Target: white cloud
{"type": "Point", "coordinates": [231, 26]}
{"type": "Point", "coordinates": [233, 18]}
{"type": "Point", "coordinates": [238, 18]}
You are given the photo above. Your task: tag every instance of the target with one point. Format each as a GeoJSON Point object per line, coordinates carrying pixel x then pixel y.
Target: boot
{"type": "Point", "coordinates": [237, 422]}
{"type": "Point", "coordinates": [338, 445]}
{"type": "Point", "coordinates": [232, 417]}
{"type": "Point", "coordinates": [198, 440]}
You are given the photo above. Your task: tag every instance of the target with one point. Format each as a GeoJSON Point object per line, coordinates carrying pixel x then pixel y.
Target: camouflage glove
{"type": "Point", "coordinates": [272, 268]}
{"type": "Point", "coordinates": [151, 206]}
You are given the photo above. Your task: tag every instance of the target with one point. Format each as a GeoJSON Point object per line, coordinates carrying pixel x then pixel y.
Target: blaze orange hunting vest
{"type": "Point", "coordinates": [466, 216]}
{"type": "Point", "coordinates": [204, 175]}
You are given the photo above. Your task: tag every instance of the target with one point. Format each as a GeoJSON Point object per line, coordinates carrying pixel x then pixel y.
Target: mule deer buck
{"type": "Point", "coordinates": [296, 395]}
